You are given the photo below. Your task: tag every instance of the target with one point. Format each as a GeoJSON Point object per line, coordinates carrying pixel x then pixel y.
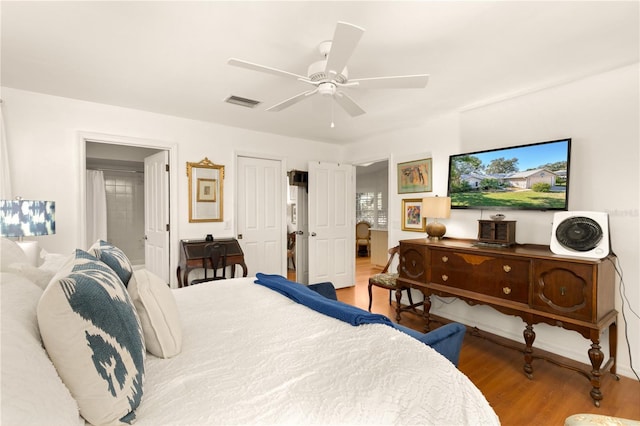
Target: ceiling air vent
{"type": "Point", "coordinates": [237, 100]}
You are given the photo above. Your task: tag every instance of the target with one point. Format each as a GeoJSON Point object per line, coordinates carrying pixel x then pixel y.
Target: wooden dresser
{"type": "Point", "coordinates": [528, 281]}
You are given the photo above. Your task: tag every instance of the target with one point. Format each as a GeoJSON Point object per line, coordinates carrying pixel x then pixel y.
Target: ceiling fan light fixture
{"type": "Point", "coordinates": [327, 89]}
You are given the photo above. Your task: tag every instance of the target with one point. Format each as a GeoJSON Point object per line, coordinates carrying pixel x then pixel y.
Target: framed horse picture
{"type": "Point", "coordinates": [414, 176]}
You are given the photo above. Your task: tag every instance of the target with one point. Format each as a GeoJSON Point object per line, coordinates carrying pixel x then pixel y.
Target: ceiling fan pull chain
{"type": "Point", "coordinates": [332, 124]}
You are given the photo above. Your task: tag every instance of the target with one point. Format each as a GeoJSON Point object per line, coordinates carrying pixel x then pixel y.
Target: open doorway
{"type": "Point", "coordinates": [372, 194]}
{"type": "Point", "coordinates": [127, 172]}
{"type": "Point", "coordinates": [297, 227]}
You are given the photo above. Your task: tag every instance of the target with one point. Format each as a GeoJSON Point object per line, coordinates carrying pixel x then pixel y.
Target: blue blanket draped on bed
{"type": "Point", "coordinates": [447, 339]}
{"type": "Point", "coordinates": [304, 295]}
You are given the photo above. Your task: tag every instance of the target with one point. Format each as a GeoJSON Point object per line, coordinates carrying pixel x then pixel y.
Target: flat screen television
{"type": "Point", "coordinates": [524, 177]}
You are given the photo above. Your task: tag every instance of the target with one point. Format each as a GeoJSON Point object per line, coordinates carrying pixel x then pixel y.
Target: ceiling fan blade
{"type": "Point", "coordinates": [345, 40]}
{"type": "Point", "coordinates": [398, 82]}
{"type": "Point", "coordinates": [293, 100]}
{"type": "Point", "coordinates": [348, 104]}
{"type": "Point", "coordinates": [256, 67]}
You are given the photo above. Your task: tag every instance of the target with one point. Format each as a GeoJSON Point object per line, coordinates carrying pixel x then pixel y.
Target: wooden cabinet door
{"type": "Point", "coordinates": [564, 288]}
{"type": "Point", "coordinates": [414, 263]}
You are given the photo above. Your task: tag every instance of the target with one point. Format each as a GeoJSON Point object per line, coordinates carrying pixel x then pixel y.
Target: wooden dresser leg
{"type": "Point", "coordinates": [596, 356]}
{"type": "Point", "coordinates": [613, 347]}
{"type": "Point", "coordinates": [398, 299]}
{"type": "Point", "coordinates": [529, 338]}
{"type": "Point", "coordinates": [425, 313]}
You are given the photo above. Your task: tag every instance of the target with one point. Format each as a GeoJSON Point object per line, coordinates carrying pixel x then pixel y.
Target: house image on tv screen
{"type": "Point", "coordinates": [521, 180]}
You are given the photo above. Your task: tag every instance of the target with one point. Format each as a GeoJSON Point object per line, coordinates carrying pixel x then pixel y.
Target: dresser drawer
{"type": "Point", "coordinates": [502, 277]}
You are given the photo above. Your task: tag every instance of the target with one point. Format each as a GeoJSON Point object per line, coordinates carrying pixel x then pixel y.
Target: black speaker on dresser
{"type": "Point", "coordinates": [581, 234]}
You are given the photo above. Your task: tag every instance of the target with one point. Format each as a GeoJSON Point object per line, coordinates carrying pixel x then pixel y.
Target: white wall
{"type": "Point", "coordinates": [600, 114]}
{"type": "Point", "coordinates": [45, 152]}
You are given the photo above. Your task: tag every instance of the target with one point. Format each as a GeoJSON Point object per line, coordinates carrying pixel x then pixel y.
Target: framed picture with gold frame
{"type": "Point", "coordinates": [206, 196]}
{"type": "Point", "coordinates": [412, 218]}
{"type": "Point", "coordinates": [206, 190]}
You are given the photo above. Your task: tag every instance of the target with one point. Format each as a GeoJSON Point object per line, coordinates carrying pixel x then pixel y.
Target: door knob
{"type": "Point", "coordinates": [299, 232]}
{"type": "Point", "coordinates": [313, 234]}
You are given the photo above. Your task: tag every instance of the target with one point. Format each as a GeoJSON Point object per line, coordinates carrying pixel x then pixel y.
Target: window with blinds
{"type": "Point", "coordinates": [370, 207]}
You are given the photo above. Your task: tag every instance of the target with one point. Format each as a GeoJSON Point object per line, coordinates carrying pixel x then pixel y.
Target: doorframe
{"type": "Point", "coordinates": [283, 198]}
{"type": "Point", "coordinates": [84, 137]}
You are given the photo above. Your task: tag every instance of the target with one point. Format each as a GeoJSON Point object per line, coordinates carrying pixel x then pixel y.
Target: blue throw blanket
{"type": "Point", "coordinates": [447, 339]}
{"type": "Point", "coordinates": [304, 295]}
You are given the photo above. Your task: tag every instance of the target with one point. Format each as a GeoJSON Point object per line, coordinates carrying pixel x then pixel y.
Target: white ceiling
{"type": "Point", "coordinates": [170, 57]}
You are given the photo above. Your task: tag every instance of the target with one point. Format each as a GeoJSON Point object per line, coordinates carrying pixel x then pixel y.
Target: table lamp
{"type": "Point", "coordinates": [436, 208]}
{"type": "Point", "coordinates": [27, 218]}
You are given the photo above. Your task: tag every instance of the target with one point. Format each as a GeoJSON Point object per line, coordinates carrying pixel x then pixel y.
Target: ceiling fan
{"type": "Point", "coordinates": [329, 75]}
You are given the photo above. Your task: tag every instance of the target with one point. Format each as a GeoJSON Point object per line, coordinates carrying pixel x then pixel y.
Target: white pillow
{"type": "Point", "coordinates": [10, 253]}
{"type": "Point", "coordinates": [93, 335]}
{"type": "Point", "coordinates": [158, 314]}
{"type": "Point", "coordinates": [52, 262]}
{"type": "Point", "coordinates": [37, 276]}
{"type": "Point", "coordinates": [32, 391]}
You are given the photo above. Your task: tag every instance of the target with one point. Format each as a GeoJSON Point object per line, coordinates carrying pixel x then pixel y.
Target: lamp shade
{"type": "Point", "coordinates": [436, 207]}
{"type": "Point", "coordinates": [26, 218]}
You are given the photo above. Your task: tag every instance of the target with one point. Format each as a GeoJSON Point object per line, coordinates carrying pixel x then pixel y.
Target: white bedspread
{"type": "Point", "coordinates": [252, 356]}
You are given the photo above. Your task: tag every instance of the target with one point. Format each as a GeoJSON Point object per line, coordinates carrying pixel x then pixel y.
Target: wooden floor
{"type": "Point", "coordinates": [554, 393]}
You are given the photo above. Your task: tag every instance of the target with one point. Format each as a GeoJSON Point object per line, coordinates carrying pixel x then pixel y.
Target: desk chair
{"type": "Point", "coordinates": [215, 257]}
{"type": "Point", "coordinates": [363, 237]}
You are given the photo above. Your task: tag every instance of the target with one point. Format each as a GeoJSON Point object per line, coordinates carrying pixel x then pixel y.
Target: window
{"type": "Point", "coordinates": [371, 207]}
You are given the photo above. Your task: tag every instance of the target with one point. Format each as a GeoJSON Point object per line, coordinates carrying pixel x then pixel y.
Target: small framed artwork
{"type": "Point", "coordinates": [206, 190]}
{"type": "Point", "coordinates": [414, 176]}
{"type": "Point", "coordinates": [412, 219]}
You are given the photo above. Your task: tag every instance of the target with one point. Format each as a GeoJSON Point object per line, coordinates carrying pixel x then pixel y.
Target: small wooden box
{"type": "Point", "coordinates": [499, 232]}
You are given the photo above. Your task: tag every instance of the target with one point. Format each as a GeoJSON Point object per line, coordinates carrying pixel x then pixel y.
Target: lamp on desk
{"type": "Point", "coordinates": [436, 208]}
{"type": "Point", "coordinates": [27, 218]}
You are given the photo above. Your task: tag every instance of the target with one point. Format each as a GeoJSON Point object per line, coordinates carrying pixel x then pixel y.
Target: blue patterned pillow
{"type": "Point", "coordinates": [115, 258]}
{"type": "Point", "coordinates": [93, 336]}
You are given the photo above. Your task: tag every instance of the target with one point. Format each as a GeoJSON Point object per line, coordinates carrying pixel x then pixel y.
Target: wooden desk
{"type": "Point", "coordinates": [192, 256]}
{"type": "Point", "coordinates": [525, 280]}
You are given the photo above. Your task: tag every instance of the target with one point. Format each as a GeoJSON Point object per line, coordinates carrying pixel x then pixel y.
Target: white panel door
{"type": "Point", "coordinates": [260, 215]}
{"type": "Point", "coordinates": [331, 224]}
{"type": "Point", "coordinates": [156, 214]}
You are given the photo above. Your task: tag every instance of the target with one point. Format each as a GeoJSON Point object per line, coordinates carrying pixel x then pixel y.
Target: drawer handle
{"type": "Point", "coordinates": [445, 259]}
{"type": "Point", "coordinates": [506, 268]}
{"type": "Point", "coordinates": [444, 278]}
{"type": "Point", "coordinates": [506, 290]}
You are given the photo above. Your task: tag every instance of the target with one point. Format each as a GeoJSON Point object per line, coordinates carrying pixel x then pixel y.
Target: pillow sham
{"type": "Point", "coordinates": [115, 258]}
{"type": "Point", "coordinates": [52, 262]}
{"type": "Point", "coordinates": [32, 391]}
{"type": "Point", "coordinates": [10, 253]}
{"type": "Point", "coordinates": [93, 335]}
{"type": "Point", "coordinates": [37, 276]}
{"type": "Point", "coordinates": [158, 314]}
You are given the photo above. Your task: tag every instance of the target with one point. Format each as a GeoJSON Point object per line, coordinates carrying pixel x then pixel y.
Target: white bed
{"type": "Point", "coordinates": [251, 356]}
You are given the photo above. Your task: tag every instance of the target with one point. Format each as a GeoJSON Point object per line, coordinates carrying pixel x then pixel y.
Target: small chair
{"type": "Point", "coordinates": [387, 280]}
{"type": "Point", "coordinates": [363, 236]}
{"type": "Point", "coordinates": [215, 257]}
{"type": "Point", "coordinates": [291, 249]}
